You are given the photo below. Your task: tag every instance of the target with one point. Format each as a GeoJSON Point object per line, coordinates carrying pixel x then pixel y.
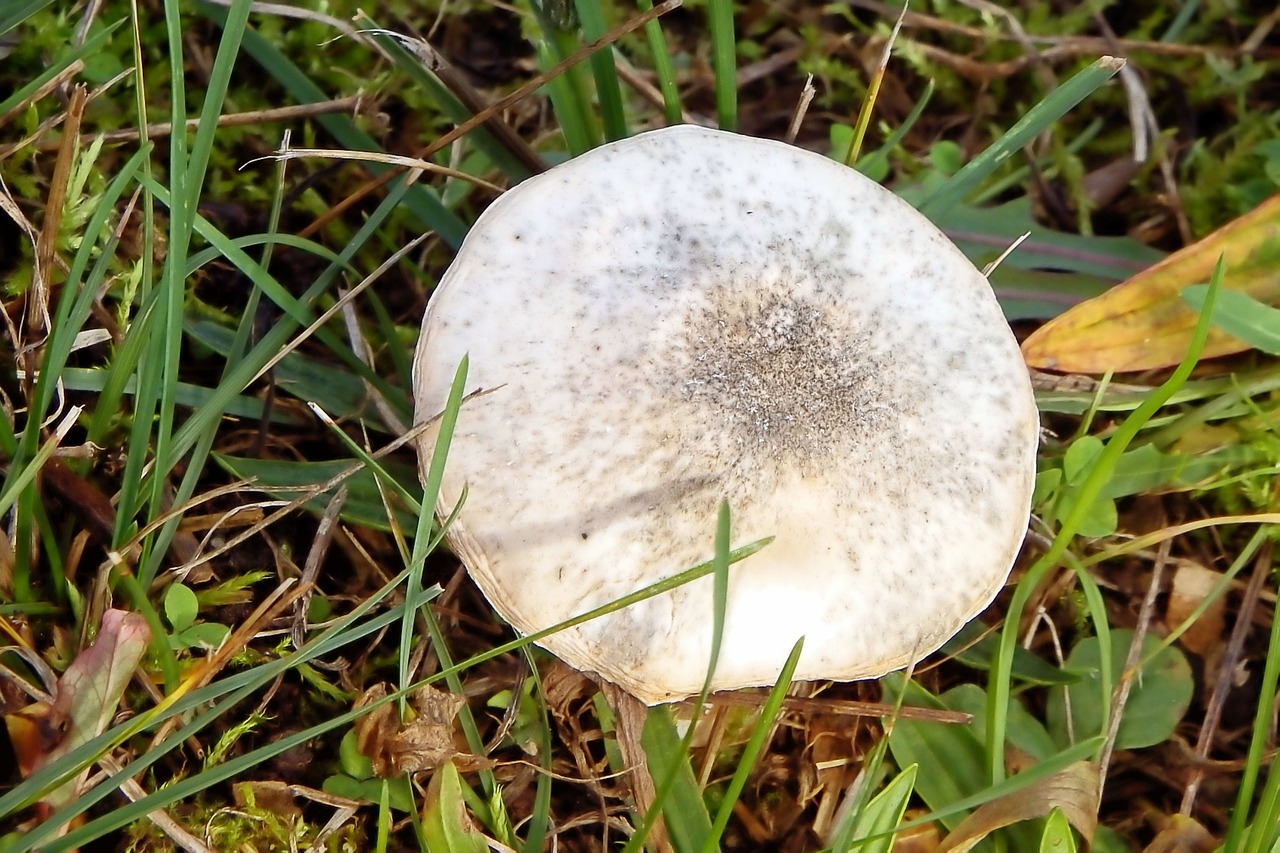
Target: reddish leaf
{"type": "Point", "coordinates": [84, 703]}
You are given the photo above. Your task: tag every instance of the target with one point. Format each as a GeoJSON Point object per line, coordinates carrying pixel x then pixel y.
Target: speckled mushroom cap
{"type": "Point", "coordinates": [690, 316]}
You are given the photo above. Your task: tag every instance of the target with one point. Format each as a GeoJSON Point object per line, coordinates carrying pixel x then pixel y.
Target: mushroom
{"type": "Point", "coordinates": [690, 316]}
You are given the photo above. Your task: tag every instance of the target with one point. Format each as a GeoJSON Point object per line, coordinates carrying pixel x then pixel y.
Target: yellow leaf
{"type": "Point", "coordinates": [1182, 835]}
{"type": "Point", "coordinates": [1143, 323]}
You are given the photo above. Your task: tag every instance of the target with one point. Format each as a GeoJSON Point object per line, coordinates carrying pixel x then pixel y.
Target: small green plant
{"type": "Point", "coordinates": [182, 610]}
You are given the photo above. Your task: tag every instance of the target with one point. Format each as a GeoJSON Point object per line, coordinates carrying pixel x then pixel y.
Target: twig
{"type": "Point", "coordinates": [287, 153]}
{"type": "Point", "coordinates": [1226, 670]}
{"type": "Point", "coordinates": [162, 129]}
{"type": "Point", "coordinates": [58, 80]}
{"type": "Point", "coordinates": [842, 707]}
{"type": "Point", "coordinates": [1131, 661]}
{"type": "Point", "coordinates": [802, 107]}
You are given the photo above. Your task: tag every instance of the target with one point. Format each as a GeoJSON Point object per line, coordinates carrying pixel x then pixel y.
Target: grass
{"type": "Point", "coordinates": [189, 299]}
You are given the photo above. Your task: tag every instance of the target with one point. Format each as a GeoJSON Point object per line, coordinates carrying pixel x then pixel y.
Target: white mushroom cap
{"type": "Point", "coordinates": [690, 316]}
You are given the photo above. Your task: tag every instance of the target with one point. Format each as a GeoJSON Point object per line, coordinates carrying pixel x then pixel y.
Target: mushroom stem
{"type": "Point", "coordinates": [629, 715]}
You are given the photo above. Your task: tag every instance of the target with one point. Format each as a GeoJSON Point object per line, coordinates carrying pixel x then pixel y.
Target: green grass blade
{"type": "Point", "coordinates": [92, 45]}
{"type": "Point", "coordinates": [271, 343]}
{"type": "Point", "coordinates": [426, 517]}
{"type": "Point", "coordinates": [876, 164]}
{"type": "Point", "coordinates": [724, 61]}
{"type": "Point", "coordinates": [19, 12]}
{"type": "Point", "coordinates": [1039, 117]}
{"type": "Point", "coordinates": [75, 303]}
{"type": "Point", "coordinates": [608, 90]}
{"type": "Point", "coordinates": [755, 744]}
{"type": "Point", "coordinates": [678, 797]}
{"type": "Point", "coordinates": [66, 766]}
{"type": "Point", "coordinates": [196, 429]}
{"type": "Point", "coordinates": [663, 67]}
{"type": "Point", "coordinates": [226, 692]}
{"type": "Point", "coordinates": [999, 683]}
{"type": "Point", "coordinates": [574, 126]}
{"type": "Point", "coordinates": [872, 829]}
{"type": "Point", "coordinates": [1267, 817]}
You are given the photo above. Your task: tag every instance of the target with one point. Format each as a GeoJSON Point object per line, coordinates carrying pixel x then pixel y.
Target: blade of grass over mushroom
{"type": "Point", "coordinates": [999, 685]}
{"type": "Point", "coordinates": [1052, 107]}
{"type": "Point", "coordinates": [426, 517]}
{"type": "Point", "coordinates": [764, 727]}
{"type": "Point", "coordinates": [724, 61]}
{"type": "Point", "coordinates": [678, 798]}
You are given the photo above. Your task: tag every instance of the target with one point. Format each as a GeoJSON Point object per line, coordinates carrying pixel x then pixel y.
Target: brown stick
{"type": "Point", "coordinates": [629, 716]}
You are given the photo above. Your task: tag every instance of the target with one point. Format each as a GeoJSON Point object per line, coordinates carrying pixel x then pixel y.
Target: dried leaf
{"type": "Point", "coordinates": [425, 743]}
{"type": "Point", "coordinates": [268, 795]}
{"type": "Point", "coordinates": [1074, 790]}
{"type": "Point", "coordinates": [1144, 324]}
{"type": "Point", "coordinates": [86, 699]}
{"type": "Point", "coordinates": [1191, 583]}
